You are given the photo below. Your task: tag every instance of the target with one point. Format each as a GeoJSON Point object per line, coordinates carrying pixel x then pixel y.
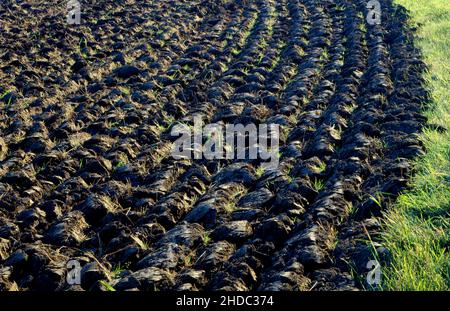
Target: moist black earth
{"type": "Point", "coordinates": [86, 171]}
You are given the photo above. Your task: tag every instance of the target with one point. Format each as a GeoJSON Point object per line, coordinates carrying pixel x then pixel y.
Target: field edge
{"type": "Point", "coordinates": [416, 227]}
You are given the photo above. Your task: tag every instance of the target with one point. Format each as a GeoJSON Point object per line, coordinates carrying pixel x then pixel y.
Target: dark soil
{"type": "Point", "coordinates": [85, 167]}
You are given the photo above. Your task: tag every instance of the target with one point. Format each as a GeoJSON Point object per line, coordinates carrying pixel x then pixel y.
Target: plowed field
{"type": "Point", "coordinates": [86, 171]}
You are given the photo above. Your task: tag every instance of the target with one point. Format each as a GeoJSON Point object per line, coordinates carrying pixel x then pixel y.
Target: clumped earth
{"type": "Point", "coordinates": [85, 167]}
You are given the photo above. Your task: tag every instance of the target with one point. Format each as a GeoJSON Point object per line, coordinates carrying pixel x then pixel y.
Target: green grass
{"type": "Point", "coordinates": [125, 90]}
{"type": "Point", "coordinates": [321, 167]}
{"type": "Point", "coordinates": [260, 171]}
{"type": "Point", "coordinates": [317, 184]}
{"type": "Point", "coordinates": [4, 95]}
{"type": "Point", "coordinates": [107, 286]}
{"type": "Point", "coordinates": [417, 227]}
{"type": "Point", "coordinates": [117, 271]}
{"type": "Point", "coordinates": [119, 165]}
{"type": "Point", "coordinates": [206, 238]}
{"type": "Point", "coordinates": [83, 47]}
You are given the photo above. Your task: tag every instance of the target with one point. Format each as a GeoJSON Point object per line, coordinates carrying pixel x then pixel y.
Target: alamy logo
{"type": "Point", "coordinates": [374, 14]}
{"type": "Point", "coordinates": [73, 272]}
{"type": "Point", "coordinates": [73, 12]}
{"type": "Point", "coordinates": [229, 141]}
{"type": "Point", "coordinates": [374, 275]}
